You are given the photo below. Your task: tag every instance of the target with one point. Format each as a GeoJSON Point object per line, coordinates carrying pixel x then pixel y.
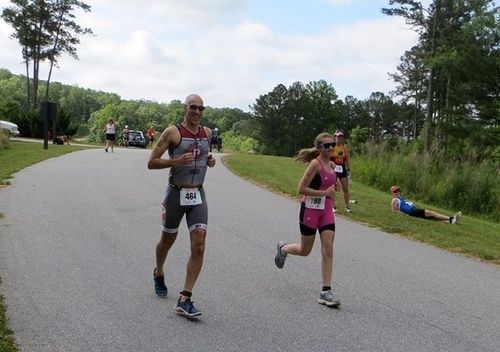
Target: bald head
{"type": "Point", "coordinates": [193, 98]}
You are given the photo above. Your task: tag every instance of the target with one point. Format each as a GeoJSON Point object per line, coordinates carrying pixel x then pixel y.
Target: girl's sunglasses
{"type": "Point", "coordinates": [326, 145]}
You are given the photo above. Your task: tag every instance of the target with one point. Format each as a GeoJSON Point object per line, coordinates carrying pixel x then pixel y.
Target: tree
{"type": "Point", "coordinates": [288, 119]}
{"type": "Point", "coordinates": [45, 30]}
{"type": "Point", "coordinates": [458, 54]}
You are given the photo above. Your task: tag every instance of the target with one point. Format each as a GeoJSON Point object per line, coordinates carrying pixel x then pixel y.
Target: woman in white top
{"type": "Point", "coordinates": [110, 130]}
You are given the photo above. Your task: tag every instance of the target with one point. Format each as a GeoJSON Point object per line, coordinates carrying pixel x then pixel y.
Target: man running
{"type": "Point", "coordinates": [188, 147]}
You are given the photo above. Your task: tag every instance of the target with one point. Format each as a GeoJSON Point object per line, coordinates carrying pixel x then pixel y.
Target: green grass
{"type": "Point", "coordinates": [472, 237]}
{"type": "Point", "coordinates": [7, 343]}
{"type": "Point", "coordinates": [18, 156]}
{"type": "Point", "coordinates": [22, 154]}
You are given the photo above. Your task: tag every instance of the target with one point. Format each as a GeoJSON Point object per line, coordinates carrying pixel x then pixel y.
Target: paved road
{"type": "Point", "coordinates": [76, 258]}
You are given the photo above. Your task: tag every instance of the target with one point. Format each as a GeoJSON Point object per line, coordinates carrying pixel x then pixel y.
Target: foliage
{"type": "Point", "coordinates": [4, 139]}
{"type": "Point", "coordinates": [454, 67]}
{"type": "Point", "coordinates": [288, 119]}
{"type": "Point", "coordinates": [45, 30]}
{"type": "Point", "coordinates": [359, 137]}
{"type": "Point", "coordinates": [238, 143]}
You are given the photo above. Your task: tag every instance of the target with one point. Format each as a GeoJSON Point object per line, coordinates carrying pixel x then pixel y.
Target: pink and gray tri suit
{"type": "Point", "coordinates": [321, 218]}
{"type": "Point", "coordinates": [172, 208]}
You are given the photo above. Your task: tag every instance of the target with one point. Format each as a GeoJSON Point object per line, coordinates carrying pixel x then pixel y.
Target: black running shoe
{"type": "Point", "coordinates": [160, 287]}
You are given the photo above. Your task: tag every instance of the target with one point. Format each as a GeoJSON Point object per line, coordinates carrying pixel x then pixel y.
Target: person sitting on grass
{"type": "Point", "coordinates": [400, 205]}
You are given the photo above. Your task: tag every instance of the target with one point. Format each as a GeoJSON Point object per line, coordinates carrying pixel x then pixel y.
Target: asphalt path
{"type": "Point", "coordinates": [77, 254]}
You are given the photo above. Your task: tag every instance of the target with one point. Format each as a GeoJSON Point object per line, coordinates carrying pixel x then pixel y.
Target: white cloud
{"type": "Point", "coordinates": [168, 50]}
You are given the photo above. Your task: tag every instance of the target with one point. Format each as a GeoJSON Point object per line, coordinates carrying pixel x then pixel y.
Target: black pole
{"type": "Point", "coordinates": [45, 117]}
{"type": "Point", "coordinates": [48, 113]}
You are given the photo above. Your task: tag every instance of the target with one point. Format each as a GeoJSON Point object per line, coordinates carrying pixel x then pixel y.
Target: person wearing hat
{"type": "Point", "coordinates": [400, 205]}
{"type": "Point", "coordinates": [340, 156]}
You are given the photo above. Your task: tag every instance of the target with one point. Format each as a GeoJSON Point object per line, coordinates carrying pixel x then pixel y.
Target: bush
{"type": "Point", "coordinates": [242, 144]}
{"type": "Point", "coordinates": [4, 139]}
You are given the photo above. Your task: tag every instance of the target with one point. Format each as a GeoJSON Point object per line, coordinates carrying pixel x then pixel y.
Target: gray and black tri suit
{"type": "Point", "coordinates": [194, 174]}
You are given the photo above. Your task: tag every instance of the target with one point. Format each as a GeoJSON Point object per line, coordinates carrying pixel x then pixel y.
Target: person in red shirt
{"type": "Point", "coordinates": [340, 156]}
{"type": "Point", "coordinates": [151, 136]}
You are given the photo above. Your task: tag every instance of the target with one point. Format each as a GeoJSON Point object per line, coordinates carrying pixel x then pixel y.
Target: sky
{"type": "Point", "coordinates": [228, 51]}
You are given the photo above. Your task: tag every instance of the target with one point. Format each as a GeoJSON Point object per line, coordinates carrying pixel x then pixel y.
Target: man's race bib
{"type": "Point", "coordinates": [315, 202]}
{"type": "Point", "coordinates": [339, 168]}
{"type": "Point", "coordinates": [190, 196]}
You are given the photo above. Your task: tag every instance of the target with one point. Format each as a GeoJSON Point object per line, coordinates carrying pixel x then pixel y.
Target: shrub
{"type": "Point", "coordinates": [242, 144]}
{"type": "Point", "coordinates": [4, 139]}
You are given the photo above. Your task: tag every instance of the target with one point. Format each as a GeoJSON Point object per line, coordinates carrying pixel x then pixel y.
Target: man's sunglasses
{"type": "Point", "coordinates": [196, 107]}
{"type": "Point", "coordinates": [326, 145]}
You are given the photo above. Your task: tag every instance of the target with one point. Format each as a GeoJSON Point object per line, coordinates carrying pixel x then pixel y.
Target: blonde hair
{"type": "Point", "coordinates": [307, 154]}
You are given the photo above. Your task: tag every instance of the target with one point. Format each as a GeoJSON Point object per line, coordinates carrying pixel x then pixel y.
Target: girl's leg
{"type": "Point", "coordinates": [302, 249]}
{"type": "Point", "coordinates": [327, 238]}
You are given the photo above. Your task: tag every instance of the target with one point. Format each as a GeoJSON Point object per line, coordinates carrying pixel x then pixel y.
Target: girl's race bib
{"type": "Point", "coordinates": [315, 202]}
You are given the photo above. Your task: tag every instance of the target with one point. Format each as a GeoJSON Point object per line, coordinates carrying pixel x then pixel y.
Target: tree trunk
{"type": "Point", "coordinates": [430, 89]}
{"type": "Point", "coordinates": [28, 83]}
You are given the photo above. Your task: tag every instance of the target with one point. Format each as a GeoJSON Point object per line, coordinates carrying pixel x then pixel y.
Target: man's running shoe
{"type": "Point", "coordinates": [328, 298]}
{"type": "Point", "coordinates": [280, 257]}
{"type": "Point", "coordinates": [348, 210]}
{"type": "Point", "coordinates": [455, 217]}
{"type": "Point", "coordinates": [160, 287]}
{"type": "Point", "coordinates": [187, 308]}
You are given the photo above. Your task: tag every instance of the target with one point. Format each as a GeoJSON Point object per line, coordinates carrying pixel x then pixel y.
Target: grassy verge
{"type": "Point", "coordinates": [18, 156]}
{"type": "Point", "coordinates": [7, 343]}
{"type": "Point", "coordinates": [472, 237]}
{"type": "Point", "coordinates": [23, 154]}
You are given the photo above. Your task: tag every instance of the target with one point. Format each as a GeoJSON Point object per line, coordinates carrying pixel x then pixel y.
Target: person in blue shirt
{"type": "Point", "coordinates": [400, 205]}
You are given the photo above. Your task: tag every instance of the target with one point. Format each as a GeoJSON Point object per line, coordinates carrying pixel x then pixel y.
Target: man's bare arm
{"type": "Point", "coordinates": [394, 207]}
{"type": "Point", "coordinates": [168, 138]}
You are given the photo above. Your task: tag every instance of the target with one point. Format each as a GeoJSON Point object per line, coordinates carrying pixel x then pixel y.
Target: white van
{"type": "Point", "coordinates": [9, 126]}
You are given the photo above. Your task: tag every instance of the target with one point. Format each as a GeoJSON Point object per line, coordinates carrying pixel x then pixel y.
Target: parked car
{"type": "Point", "coordinates": [10, 127]}
{"type": "Point", "coordinates": [136, 139]}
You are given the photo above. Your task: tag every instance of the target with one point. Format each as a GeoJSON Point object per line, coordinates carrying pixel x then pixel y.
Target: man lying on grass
{"type": "Point", "coordinates": [400, 205]}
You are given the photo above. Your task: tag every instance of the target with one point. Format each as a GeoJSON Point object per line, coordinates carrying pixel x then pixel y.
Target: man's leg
{"type": "Point", "coordinates": [184, 304]}
{"type": "Point", "coordinates": [166, 242]}
{"type": "Point", "coordinates": [195, 261]}
{"type": "Point", "coordinates": [162, 248]}
{"type": "Point", "coordinates": [436, 215]}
